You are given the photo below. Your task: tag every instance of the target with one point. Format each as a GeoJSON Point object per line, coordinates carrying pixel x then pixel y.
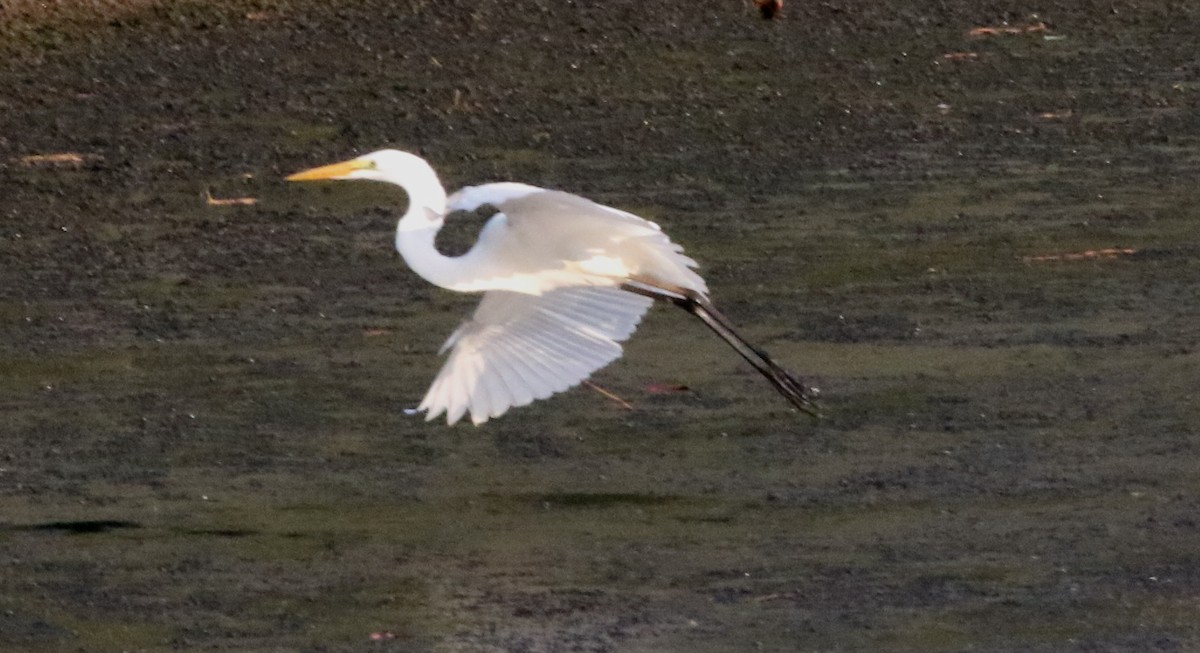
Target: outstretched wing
{"type": "Point", "coordinates": [519, 347]}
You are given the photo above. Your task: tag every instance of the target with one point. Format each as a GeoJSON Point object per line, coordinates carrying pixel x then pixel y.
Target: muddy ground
{"type": "Point", "coordinates": [203, 444]}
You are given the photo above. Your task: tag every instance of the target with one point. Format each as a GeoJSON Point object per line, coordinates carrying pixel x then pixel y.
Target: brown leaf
{"type": "Point", "coordinates": [769, 9]}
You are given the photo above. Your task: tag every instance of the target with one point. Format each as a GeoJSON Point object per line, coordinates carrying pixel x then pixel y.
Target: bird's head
{"type": "Point", "coordinates": [385, 165]}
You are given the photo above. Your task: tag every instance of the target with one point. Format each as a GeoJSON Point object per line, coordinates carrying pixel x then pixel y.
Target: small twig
{"type": "Point", "coordinates": [1055, 115]}
{"type": "Point", "coordinates": [619, 401]}
{"type": "Point", "coordinates": [58, 159]}
{"type": "Point", "coordinates": [777, 596]}
{"type": "Point", "coordinates": [232, 201]}
{"type": "Point", "coordinates": [1107, 253]}
{"type": "Point", "coordinates": [1008, 29]}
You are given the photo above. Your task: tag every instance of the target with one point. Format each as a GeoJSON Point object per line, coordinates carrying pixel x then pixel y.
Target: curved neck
{"type": "Point", "coordinates": [419, 226]}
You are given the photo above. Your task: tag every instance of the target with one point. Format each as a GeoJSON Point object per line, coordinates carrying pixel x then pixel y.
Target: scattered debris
{"type": "Point", "coordinates": [960, 56]}
{"type": "Point", "coordinates": [1009, 29]}
{"type": "Point", "coordinates": [1055, 115]}
{"type": "Point", "coordinates": [59, 159]}
{"type": "Point", "coordinates": [382, 636]}
{"type": "Point", "coordinates": [777, 596]}
{"type": "Point", "coordinates": [770, 9]}
{"type": "Point", "coordinates": [1110, 252]}
{"type": "Point", "coordinates": [372, 333]}
{"type": "Point", "coordinates": [459, 102]}
{"type": "Point", "coordinates": [619, 401]}
{"type": "Point", "coordinates": [666, 388]}
{"type": "Point", "coordinates": [230, 201]}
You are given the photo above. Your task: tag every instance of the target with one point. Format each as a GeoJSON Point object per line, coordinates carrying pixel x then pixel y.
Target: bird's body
{"type": "Point", "coordinates": [564, 281]}
{"type": "Point", "coordinates": [541, 240]}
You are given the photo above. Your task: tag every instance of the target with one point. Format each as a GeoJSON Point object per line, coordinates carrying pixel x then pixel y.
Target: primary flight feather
{"type": "Point", "coordinates": [564, 280]}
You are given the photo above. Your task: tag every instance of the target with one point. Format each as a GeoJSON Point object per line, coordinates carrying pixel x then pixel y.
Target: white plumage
{"type": "Point", "coordinates": [550, 265]}
{"type": "Point", "coordinates": [519, 347]}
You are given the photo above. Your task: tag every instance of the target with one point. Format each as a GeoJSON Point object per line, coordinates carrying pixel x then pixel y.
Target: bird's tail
{"type": "Point", "coordinates": [788, 384]}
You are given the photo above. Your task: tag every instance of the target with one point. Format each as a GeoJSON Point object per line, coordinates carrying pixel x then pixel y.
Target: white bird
{"type": "Point", "coordinates": [564, 281]}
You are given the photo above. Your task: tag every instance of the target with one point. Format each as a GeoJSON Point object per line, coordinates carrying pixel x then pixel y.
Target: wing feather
{"type": "Point", "coordinates": [518, 347]}
{"type": "Point", "coordinates": [545, 377]}
{"type": "Point", "coordinates": [480, 398]}
{"type": "Point", "coordinates": [456, 403]}
{"type": "Point", "coordinates": [499, 398]}
{"type": "Point", "coordinates": [516, 383]}
{"type": "Point", "coordinates": [598, 240]}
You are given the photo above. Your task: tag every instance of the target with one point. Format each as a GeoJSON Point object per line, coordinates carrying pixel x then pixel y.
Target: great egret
{"type": "Point", "coordinates": [564, 280]}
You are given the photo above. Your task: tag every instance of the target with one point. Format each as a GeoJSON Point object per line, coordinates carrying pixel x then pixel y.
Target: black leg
{"type": "Point", "coordinates": [789, 385]}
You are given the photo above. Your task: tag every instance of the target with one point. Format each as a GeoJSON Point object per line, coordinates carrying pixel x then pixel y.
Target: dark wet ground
{"type": "Point", "coordinates": [203, 445]}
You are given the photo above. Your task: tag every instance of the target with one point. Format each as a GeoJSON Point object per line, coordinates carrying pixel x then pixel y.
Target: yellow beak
{"type": "Point", "coordinates": [332, 171]}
